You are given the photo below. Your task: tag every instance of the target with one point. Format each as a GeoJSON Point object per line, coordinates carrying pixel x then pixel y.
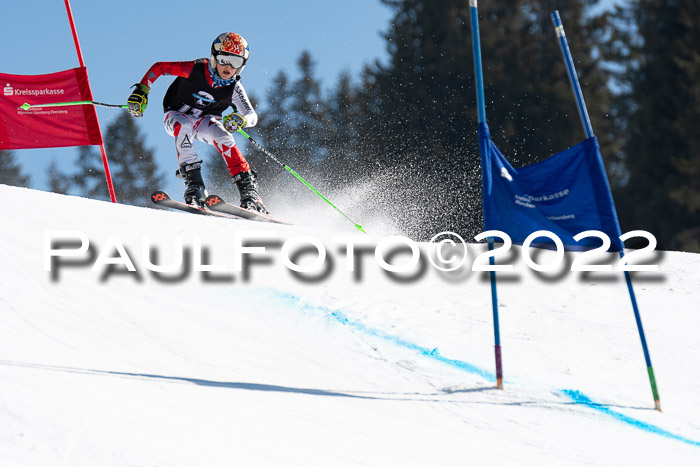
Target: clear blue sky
{"type": "Point", "coordinates": [121, 39]}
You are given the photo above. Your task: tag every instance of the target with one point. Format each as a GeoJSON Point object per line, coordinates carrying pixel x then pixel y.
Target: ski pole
{"type": "Point", "coordinates": [299, 177]}
{"type": "Point", "coordinates": [26, 106]}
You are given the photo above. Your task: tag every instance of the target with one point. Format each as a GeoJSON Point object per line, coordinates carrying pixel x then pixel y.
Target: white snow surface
{"type": "Point", "coordinates": [105, 367]}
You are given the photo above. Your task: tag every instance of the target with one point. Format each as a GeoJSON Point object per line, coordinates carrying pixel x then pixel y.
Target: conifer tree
{"type": "Point", "coordinates": [88, 180]}
{"type": "Point", "coordinates": [310, 114]}
{"type": "Point", "coordinates": [294, 126]}
{"type": "Point", "coordinates": [59, 182]}
{"type": "Point", "coordinates": [275, 127]}
{"type": "Point", "coordinates": [132, 164]}
{"type": "Point", "coordinates": [655, 47]}
{"type": "Point", "coordinates": [420, 106]}
{"type": "Point", "coordinates": [343, 129]}
{"type": "Point", "coordinates": [10, 171]}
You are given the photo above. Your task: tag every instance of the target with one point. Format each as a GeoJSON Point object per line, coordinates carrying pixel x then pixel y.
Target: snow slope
{"type": "Point", "coordinates": [105, 367]}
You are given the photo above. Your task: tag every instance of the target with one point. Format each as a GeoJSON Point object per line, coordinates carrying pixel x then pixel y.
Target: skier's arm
{"type": "Point", "coordinates": [138, 100]}
{"type": "Point", "coordinates": [243, 106]}
{"type": "Point", "coordinates": [159, 69]}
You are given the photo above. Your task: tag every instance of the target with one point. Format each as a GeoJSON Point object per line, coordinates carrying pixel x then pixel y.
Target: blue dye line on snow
{"type": "Point", "coordinates": [433, 354]}
{"type": "Point", "coordinates": [575, 396]}
{"type": "Point", "coordinates": [582, 399]}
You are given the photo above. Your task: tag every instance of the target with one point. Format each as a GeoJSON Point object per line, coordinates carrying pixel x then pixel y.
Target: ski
{"type": "Point", "coordinates": [217, 204]}
{"type": "Point", "coordinates": [161, 198]}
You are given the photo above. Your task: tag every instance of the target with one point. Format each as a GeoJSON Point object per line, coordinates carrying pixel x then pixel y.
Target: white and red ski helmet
{"type": "Point", "coordinates": [230, 43]}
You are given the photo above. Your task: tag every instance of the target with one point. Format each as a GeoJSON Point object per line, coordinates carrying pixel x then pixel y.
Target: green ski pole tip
{"type": "Point", "coordinates": [25, 106]}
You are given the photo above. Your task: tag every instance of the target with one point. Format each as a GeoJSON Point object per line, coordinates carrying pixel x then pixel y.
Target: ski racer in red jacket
{"type": "Point", "coordinates": [194, 104]}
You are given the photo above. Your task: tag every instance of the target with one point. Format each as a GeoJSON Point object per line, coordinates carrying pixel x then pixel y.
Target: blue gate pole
{"type": "Point", "coordinates": [476, 46]}
{"type": "Point", "coordinates": [588, 129]}
{"type": "Point", "coordinates": [573, 78]}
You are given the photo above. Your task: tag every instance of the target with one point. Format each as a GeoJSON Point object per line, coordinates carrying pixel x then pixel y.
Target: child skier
{"type": "Point", "coordinates": [193, 106]}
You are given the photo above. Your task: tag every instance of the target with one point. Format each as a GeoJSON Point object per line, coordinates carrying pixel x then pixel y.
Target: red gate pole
{"type": "Point", "coordinates": [105, 162]}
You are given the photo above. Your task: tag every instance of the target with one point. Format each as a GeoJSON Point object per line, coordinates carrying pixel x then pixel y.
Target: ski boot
{"type": "Point", "coordinates": [195, 192]}
{"type": "Point", "coordinates": [247, 186]}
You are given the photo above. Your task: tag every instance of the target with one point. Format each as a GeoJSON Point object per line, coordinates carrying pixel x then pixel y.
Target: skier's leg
{"type": "Point", "coordinates": [184, 130]}
{"type": "Point", "coordinates": [212, 131]}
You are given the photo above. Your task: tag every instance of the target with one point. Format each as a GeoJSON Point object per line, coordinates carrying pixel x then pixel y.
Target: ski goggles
{"type": "Point", "coordinates": [235, 61]}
